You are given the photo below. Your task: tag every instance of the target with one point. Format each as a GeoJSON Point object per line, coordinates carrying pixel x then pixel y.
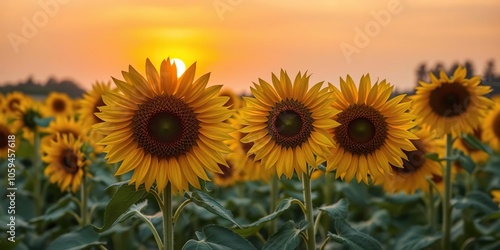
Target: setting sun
{"type": "Point", "coordinates": [181, 67]}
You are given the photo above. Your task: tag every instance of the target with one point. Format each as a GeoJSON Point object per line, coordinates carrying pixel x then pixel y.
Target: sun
{"type": "Point", "coordinates": [181, 67]}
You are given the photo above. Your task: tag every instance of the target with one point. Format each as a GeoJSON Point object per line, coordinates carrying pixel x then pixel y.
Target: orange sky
{"type": "Point", "coordinates": [240, 41]}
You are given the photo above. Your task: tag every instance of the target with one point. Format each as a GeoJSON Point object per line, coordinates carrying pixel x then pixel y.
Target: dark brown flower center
{"type": "Point", "coordinates": [290, 123]}
{"type": "Point", "coordinates": [227, 172]}
{"type": "Point", "coordinates": [416, 159]}
{"type": "Point", "coordinates": [496, 126]}
{"type": "Point", "coordinates": [363, 129]}
{"type": "Point", "coordinates": [69, 161]}
{"type": "Point", "coordinates": [165, 127]}
{"type": "Point", "coordinates": [99, 103]}
{"type": "Point", "coordinates": [449, 100]}
{"type": "Point", "coordinates": [58, 105]}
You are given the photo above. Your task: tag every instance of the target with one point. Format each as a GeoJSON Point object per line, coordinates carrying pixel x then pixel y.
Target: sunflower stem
{"type": "Point", "coordinates": [430, 208]}
{"type": "Point", "coordinates": [274, 199]}
{"type": "Point", "coordinates": [179, 209]}
{"type": "Point", "coordinates": [153, 229]}
{"type": "Point", "coordinates": [446, 227]}
{"type": "Point", "coordinates": [168, 226]}
{"type": "Point", "coordinates": [38, 178]}
{"type": "Point", "coordinates": [306, 183]}
{"type": "Point", "coordinates": [83, 203]}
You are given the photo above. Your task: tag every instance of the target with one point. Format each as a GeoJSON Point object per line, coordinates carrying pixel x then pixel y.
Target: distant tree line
{"type": "Point", "coordinates": [489, 76]}
{"type": "Point", "coordinates": [30, 87]}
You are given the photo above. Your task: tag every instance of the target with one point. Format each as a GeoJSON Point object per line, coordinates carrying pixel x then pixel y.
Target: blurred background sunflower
{"type": "Point", "coordinates": [491, 127]}
{"type": "Point", "coordinates": [63, 125]}
{"type": "Point", "coordinates": [13, 101]}
{"type": "Point", "coordinates": [89, 107]}
{"type": "Point", "coordinates": [416, 169]}
{"type": "Point", "coordinates": [165, 129]}
{"type": "Point", "coordinates": [5, 131]}
{"type": "Point", "coordinates": [66, 162]}
{"type": "Point", "coordinates": [57, 104]}
{"type": "Point", "coordinates": [25, 118]}
{"type": "Point", "coordinates": [288, 124]}
{"type": "Point", "coordinates": [451, 105]}
{"type": "Point", "coordinates": [373, 131]}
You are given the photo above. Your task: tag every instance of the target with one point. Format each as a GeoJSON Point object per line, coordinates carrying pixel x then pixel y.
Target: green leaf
{"type": "Point", "coordinates": [287, 237]}
{"type": "Point", "coordinates": [251, 229]}
{"type": "Point", "coordinates": [474, 142]}
{"type": "Point", "coordinates": [43, 122]}
{"type": "Point", "coordinates": [353, 239]}
{"type": "Point", "coordinates": [379, 219]}
{"type": "Point", "coordinates": [203, 200]}
{"type": "Point", "coordinates": [417, 238]}
{"type": "Point", "coordinates": [466, 162]}
{"type": "Point", "coordinates": [84, 237]}
{"type": "Point", "coordinates": [119, 204]}
{"type": "Point", "coordinates": [477, 200]}
{"type": "Point", "coordinates": [433, 156]}
{"type": "Point", "coordinates": [216, 237]}
{"type": "Point", "coordinates": [57, 210]}
{"type": "Point", "coordinates": [337, 210]}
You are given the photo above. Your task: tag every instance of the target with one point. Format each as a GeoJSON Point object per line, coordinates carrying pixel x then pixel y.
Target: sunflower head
{"type": "Point", "coordinates": [13, 102]}
{"type": "Point", "coordinates": [288, 123]}
{"type": "Point", "coordinates": [491, 127]}
{"type": "Point", "coordinates": [57, 104]}
{"type": "Point", "coordinates": [417, 168]}
{"type": "Point", "coordinates": [5, 131]}
{"type": "Point", "coordinates": [89, 106]}
{"type": "Point", "coordinates": [64, 125]}
{"type": "Point", "coordinates": [25, 119]}
{"type": "Point", "coordinates": [451, 105]}
{"type": "Point", "coordinates": [373, 135]}
{"type": "Point", "coordinates": [65, 162]}
{"type": "Point", "coordinates": [166, 129]}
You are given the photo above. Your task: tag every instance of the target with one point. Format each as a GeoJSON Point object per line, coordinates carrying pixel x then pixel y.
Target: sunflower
{"type": "Point", "coordinates": [13, 101]}
{"type": "Point", "coordinates": [166, 129]}
{"type": "Point", "coordinates": [230, 175]}
{"type": "Point", "coordinates": [234, 101]}
{"type": "Point", "coordinates": [491, 128]}
{"type": "Point", "coordinates": [63, 125]}
{"type": "Point", "coordinates": [373, 131]}
{"type": "Point", "coordinates": [57, 104]}
{"type": "Point", "coordinates": [89, 106]}
{"type": "Point", "coordinates": [496, 196]}
{"type": "Point", "coordinates": [66, 162]}
{"type": "Point", "coordinates": [288, 124]}
{"type": "Point", "coordinates": [416, 169]}
{"type": "Point", "coordinates": [451, 105]}
{"type": "Point", "coordinates": [3, 110]}
{"type": "Point", "coordinates": [25, 119]}
{"type": "Point", "coordinates": [5, 132]}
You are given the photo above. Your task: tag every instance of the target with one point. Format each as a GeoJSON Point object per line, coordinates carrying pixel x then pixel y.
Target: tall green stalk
{"type": "Point", "coordinates": [446, 227]}
{"type": "Point", "coordinates": [306, 184]}
{"type": "Point", "coordinates": [37, 166]}
{"type": "Point", "coordinates": [274, 193]}
{"type": "Point", "coordinates": [168, 226]}
{"type": "Point", "coordinates": [83, 203]}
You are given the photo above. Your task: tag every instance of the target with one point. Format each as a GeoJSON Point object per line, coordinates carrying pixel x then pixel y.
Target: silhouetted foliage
{"type": "Point", "coordinates": [29, 87]}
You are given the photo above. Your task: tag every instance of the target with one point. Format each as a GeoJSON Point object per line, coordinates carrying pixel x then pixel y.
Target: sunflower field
{"type": "Point", "coordinates": [154, 160]}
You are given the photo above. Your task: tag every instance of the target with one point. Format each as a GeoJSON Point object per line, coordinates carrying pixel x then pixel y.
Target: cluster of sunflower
{"type": "Point", "coordinates": [168, 132]}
